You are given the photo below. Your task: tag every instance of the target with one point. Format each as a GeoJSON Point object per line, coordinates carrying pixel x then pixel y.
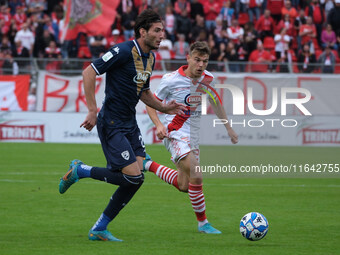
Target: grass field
{"type": "Point", "coordinates": [303, 213]}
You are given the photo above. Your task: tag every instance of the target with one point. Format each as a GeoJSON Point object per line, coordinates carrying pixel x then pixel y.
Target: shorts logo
{"type": "Point", "coordinates": [125, 155]}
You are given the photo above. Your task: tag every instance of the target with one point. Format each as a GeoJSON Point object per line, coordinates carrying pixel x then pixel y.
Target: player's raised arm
{"type": "Point", "coordinates": [171, 108]}
{"type": "Point", "coordinates": [89, 79]}
{"type": "Point", "coordinates": [220, 113]}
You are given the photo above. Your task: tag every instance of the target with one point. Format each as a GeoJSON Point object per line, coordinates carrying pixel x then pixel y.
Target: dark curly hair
{"type": "Point", "coordinates": [145, 20]}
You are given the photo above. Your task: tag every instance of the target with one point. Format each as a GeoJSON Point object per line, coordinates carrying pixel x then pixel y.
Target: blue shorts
{"type": "Point", "coordinates": [120, 146]}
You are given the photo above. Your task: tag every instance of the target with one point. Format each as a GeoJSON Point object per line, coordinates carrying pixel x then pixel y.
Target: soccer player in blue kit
{"type": "Point", "coordinates": [128, 67]}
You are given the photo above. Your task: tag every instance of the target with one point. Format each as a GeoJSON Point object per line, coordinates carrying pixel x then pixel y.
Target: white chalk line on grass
{"type": "Point", "coordinates": [207, 184]}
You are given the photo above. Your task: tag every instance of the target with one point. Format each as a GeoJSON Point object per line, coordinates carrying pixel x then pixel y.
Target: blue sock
{"type": "Point", "coordinates": [101, 223]}
{"type": "Point", "coordinates": [84, 171]}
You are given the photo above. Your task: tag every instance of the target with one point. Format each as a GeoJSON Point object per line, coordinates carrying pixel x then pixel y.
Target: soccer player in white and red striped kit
{"type": "Point", "coordinates": [180, 133]}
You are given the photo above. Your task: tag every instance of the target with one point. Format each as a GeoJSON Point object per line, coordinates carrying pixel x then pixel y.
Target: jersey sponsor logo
{"type": "Point", "coordinates": [107, 56]}
{"type": "Point", "coordinates": [125, 155]}
{"type": "Point", "coordinates": [193, 99]}
{"type": "Point", "coordinates": [142, 77]}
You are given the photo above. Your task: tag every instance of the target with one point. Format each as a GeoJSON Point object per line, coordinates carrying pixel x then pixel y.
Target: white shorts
{"type": "Point", "coordinates": [179, 145]}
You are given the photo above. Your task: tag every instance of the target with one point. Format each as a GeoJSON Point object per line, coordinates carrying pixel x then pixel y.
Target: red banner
{"type": "Point", "coordinates": [92, 17]}
{"type": "Point", "coordinates": [14, 92]}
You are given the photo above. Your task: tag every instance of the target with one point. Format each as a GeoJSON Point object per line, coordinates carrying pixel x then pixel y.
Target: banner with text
{"type": "Point", "coordinates": [258, 92]}
{"type": "Point", "coordinates": [64, 128]}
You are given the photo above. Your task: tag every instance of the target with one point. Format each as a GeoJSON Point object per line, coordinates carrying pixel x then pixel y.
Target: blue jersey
{"type": "Point", "coordinates": [128, 70]}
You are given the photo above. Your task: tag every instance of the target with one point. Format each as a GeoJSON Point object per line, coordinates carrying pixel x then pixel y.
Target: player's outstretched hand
{"type": "Point", "coordinates": [161, 132]}
{"type": "Point", "coordinates": [175, 108]}
{"type": "Point", "coordinates": [90, 121]}
{"type": "Point", "coordinates": [233, 136]}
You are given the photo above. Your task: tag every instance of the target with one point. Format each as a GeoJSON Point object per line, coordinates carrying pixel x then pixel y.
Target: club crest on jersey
{"type": "Point", "coordinates": [125, 155]}
{"type": "Point", "coordinates": [142, 77]}
{"type": "Point", "coordinates": [193, 99]}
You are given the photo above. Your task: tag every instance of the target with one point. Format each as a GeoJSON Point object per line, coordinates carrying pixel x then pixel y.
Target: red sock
{"type": "Point", "coordinates": [166, 174]}
{"type": "Point", "coordinates": [197, 201]}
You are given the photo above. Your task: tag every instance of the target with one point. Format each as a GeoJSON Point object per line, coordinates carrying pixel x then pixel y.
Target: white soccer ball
{"type": "Point", "coordinates": [254, 226]}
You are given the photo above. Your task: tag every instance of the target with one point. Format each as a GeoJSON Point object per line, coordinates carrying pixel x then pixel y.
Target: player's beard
{"type": "Point", "coordinates": [151, 44]}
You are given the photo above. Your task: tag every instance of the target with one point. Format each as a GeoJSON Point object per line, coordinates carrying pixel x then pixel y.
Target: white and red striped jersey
{"type": "Point", "coordinates": [177, 86]}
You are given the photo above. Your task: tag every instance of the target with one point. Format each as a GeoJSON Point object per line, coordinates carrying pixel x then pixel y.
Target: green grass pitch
{"type": "Point", "coordinates": [303, 213]}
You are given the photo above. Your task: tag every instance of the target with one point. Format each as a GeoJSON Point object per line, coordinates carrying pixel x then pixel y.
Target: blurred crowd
{"type": "Point", "coordinates": [269, 35]}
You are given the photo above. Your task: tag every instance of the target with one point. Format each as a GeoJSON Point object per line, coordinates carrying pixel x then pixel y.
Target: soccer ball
{"type": "Point", "coordinates": [254, 226]}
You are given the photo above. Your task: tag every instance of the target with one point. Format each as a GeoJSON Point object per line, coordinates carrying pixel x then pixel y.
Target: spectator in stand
{"type": "Point", "coordinates": [232, 56]}
{"type": "Point", "coordinates": [316, 11]}
{"type": "Point", "coordinates": [221, 57]}
{"type": "Point", "coordinates": [219, 31]}
{"type": "Point", "coordinates": [211, 11]}
{"type": "Point", "coordinates": [121, 10]}
{"type": "Point", "coordinates": [265, 25]}
{"type": "Point", "coordinates": [182, 5]}
{"type": "Point", "coordinates": [306, 60]}
{"type": "Point", "coordinates": [6, 16]}
{"type": "Point", "coordinates": [308, 33]}
{"type": "Point", "coordinates": [20, 16]}
{"type": "Point", "coordinates": [3, 29]}
{"type": "Point", "coordinates": [52, 27]}
{"type": "Point", "coordinates": [9, 66]}
{"type": "Point", "coordinates": [181, 47]}
{"type": "Point", "coordinates": [275, 7]}
{"type": "Point", "coordinates": [165, 51]}
{"type": "Point", "coordinates": [226, 13]}
{"type": "Point", "coordinates": [52, 51]}
{"type": "Point", "coordinates": [196, 9]}
{"type": "Point", "coordinates": [259, 59]}
{"type": "Point", "coordinates": [160, 7]}
{"type": "Point", "coordinates": [97, 45]}
{"type": "Point", "coordinates": [286, 23]}
{"type": "Point", "coordinates": [242, 52]}
{"type": "Point", "coordinates": [57, 14]}
{"type": "Point", "coordinates": [23, 53]}
{"type": "Point", "coordinates": [213, 64]}
{"type": "Point", "coordinates": [183, 24]}
{"type": "Point", "coordinates": [327, 60]}
{"type": "Point", "coordinates": [170, 23]}
{"type": "Point", "coordinates": [198, 27]}
{"type": "Point", "coordinates": [250, 37]}
{"type": "Point", "coordinates": [253, 7]}
{"type": "Point", "coordinates": [128, 22]}
{"type": "Point", "coordinates": [288, 9]}
{"type": "Point", "coordinates": [281, 48]}
{"type": "Point", "coordinates": [6, 45]}
{"type": "Point", "coordinates": [114, 39]}
{"type": "Point", "coordinates": [299, 21]}
{"type": "Point", "coordinates": [328, 38]}
{"type": "Point", "coordinates": [235, 32]}
{"type": "Point", "coordinates": [26, 37]}
{"type": "Point", "coordinates": [334, 17]}
{"type": "Point", "coordinates": [329, 5]}
{"type": "Point", "coordinates": [142, 6]}
{"type": "Point", "coordinates": [13, 4]}
{"type": "Point", "coordinates": [42, 40]}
